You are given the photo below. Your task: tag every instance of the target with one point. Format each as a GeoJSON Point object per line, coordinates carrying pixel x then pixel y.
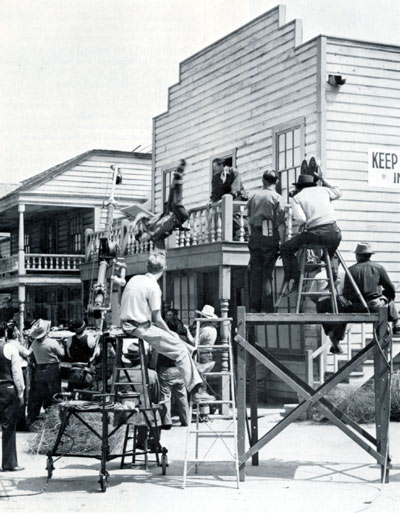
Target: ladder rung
{"type": "Point", "coordinates": [209, 460]}
{"type": "Point", "coordinates": [206, 402]}
{"type": "Point", "coordinates": [129, 384]}
{"type": "Point", "coordinates": [303, 293]}
{"type": "Point", "coordinates": [213, 347]}
{"type": "Point", "coordinates": [216, 373]}
{"type": "Point", "coordinates": [212, 433]}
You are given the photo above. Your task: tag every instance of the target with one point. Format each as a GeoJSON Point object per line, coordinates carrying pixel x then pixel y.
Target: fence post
{"type": "Point", "coordinates": [241, 392]}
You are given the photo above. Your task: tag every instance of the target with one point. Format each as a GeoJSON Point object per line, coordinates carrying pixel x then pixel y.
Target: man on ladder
{"type": "Point", "coordinates": [312, 206]}
{"type": "Point", "coordinates": [141, 318]}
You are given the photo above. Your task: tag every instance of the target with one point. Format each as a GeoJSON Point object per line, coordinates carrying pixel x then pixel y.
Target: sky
{"type": "Point", "coordinates": [83, 74]}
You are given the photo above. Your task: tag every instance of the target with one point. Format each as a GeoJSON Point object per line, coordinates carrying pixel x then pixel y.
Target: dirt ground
{"type": "Point", "coordinates": [309, 467]}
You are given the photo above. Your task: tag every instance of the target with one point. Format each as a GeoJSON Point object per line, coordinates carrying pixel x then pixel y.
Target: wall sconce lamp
{"type": "Point", "coordinates": [336, 80]}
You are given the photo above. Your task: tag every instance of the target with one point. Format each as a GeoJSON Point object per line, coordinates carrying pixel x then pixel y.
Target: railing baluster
{"type": "Point", "coordinates": [241, 224]}
{"type": "Point", "coordinates": [219, 222]}
{"type": "Point", "coordinates": [212, 224]}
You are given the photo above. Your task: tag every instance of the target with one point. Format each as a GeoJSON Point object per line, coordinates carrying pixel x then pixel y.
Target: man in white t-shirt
{"type": "Point", "coordinates": [312, 206]}
{"type": "Point", "coordinates": [141, 317]}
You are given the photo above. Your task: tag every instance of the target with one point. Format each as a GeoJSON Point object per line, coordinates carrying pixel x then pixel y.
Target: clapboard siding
{"type": "Point", "coordinates": [231, 96]}
{"type": "Point", "coordinates": [362, 114]}
{"type": "Point", "coordinates": [94, 177]}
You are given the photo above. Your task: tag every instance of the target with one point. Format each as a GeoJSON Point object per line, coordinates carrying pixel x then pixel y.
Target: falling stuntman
{"type": "Point", "coordinates": [158, 227]}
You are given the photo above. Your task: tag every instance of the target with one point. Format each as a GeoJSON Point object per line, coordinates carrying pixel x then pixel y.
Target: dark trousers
{"type": "Point", "coordinates": [45, 384]}
{"type": "Point", "coordinates": [325, 235]}
{"type": "Point", "coordinates": [263, 255]}
{"type": "Point", "coordinates": [9, 406]}
{"type": "Point", "coordinates": [336, 331]}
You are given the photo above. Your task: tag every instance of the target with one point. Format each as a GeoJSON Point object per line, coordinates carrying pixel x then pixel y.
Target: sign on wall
{"type": "Point", "coordinates": [384, 167]}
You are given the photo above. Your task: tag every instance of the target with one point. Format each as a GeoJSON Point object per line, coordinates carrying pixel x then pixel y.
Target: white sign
{"type": "Point", "coordinates": [384, 167]}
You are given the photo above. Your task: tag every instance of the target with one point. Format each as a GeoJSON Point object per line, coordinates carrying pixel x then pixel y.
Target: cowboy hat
{"type": "Point", "coordinates": [304, 180]}
{"type": "Point", "coordinates": [363, 248]}
{"type": "Point", "coordinates": [40, 328]}
{"type": "Point", "coordinates": [76, 325]}
{"type": "Point", "coordinates": [207, 311]}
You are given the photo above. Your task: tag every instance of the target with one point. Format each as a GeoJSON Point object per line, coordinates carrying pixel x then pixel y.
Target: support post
{"type": "Point", "coordinates": [224, 297]}
{"type": "Point", "coordinates": [241, 392]}
{"type": "Point", "coordinates": [21, 267]}
{"type": "Point", "coordinates": [382, 383]}
{"type": "Point", "coordinates": [253, 398]}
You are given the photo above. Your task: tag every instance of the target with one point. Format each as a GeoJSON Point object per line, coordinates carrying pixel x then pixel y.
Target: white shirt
{"type": "Point", "coordinates": [11, 353]}
{"type": "Point", "coordinates": [313, 205]}
{"type": "Point", "coordinates": [141, 296]}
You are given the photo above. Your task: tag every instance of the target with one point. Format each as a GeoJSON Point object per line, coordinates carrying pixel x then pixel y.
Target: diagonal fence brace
{"type": "Point", "coordinates": [311, 397]}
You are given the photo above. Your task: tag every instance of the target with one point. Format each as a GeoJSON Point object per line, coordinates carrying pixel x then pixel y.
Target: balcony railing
{"type": "Point", "coordinates": [223, 221]}
{"type": "Point", "coordinates": [53, 262]}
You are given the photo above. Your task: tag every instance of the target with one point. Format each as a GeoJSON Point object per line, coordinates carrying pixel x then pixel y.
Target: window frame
{"type": "Point", "coordinates": [232, 153]}
{"type": "Point", "coordinates": [74, 248]}
{"type": "Point", "coordinates": [283, 128]}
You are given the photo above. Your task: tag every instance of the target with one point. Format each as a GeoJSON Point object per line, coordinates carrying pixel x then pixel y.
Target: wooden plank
{"type": "Point", "coordinates": [253, 399]}
{"type": "Point", "coordinates": [241, 391]}
{"type": "Point", "coordinates": [309, 318]}
{"type": "Point", "coordinates": [382, 369]}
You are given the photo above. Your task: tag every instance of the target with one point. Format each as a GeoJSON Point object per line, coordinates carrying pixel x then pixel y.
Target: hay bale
{"type": "Point", "coordinates": [77, 437]}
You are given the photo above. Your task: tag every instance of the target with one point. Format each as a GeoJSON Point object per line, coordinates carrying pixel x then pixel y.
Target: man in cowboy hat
{"type": "Point", "coordinates": [374, 284]}
{"type": "Point", "coordinates": [82, 351]}
{"type": "Point", "coordinates": [312, 206]}
{"type": "Point", "coordinates": [266, 217]}
{"type": "Point", "coordinates": [46, 380]}
{"type": "Point", "coordinates": [207, 337]}
{"type": "Point", "coordinates": [11, 398]}
{"type": "Point", "coordinates": [141, 317]}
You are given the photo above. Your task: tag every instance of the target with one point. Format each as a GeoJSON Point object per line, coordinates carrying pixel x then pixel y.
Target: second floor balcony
{"type": "Point", "coordinates": [219, 222]}
{"type": "Point", "coordinates": [42, 263]}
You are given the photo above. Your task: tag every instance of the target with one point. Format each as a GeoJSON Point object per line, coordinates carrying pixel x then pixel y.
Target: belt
{"type": "Point", "coordinates": [321, 226]}
{"type": "Point", "coordinates": [47, 364]}
{"type": "Point", "coordinates": [136, 323]}
{"type": "Point", "coordinates": [6, 382]}
{"type": "Point", "coordinates": [83, 367]}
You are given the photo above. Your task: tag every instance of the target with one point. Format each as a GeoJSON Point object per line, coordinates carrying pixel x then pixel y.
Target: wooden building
{"type": "Point", "coordinates": [46, 217]}
{"type": "Point", "coordinates": [263, 98]}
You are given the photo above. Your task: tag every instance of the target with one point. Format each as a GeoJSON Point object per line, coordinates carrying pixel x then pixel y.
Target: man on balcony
{"type": "Point", "coordinates": [266, 219]}
{"type": "Point", "coordinates": [141, 318]}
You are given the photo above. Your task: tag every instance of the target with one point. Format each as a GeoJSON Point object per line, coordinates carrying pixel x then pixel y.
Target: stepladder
{"type": "Point", "coordinates": [131, 379]}
{"type": "Point", "coordinates": [318, 279]}
{"type": "Point", "coordinates": [211, 437]}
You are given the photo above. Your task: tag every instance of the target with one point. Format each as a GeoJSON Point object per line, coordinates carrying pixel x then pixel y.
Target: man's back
{"type": "Point", "coordinates": [315, 202]}
{"type": "Point", "coordinates": [370, 278]}
{"type": "Point", "coordinates": [141, 296]}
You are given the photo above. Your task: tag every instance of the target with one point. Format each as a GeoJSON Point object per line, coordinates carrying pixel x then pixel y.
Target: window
{"type": "Point", "coordinates": [227, 159]}
{"type": "Point", "coordinates": [289, 152]}
{"type": "Point", "coordinates": [167, 180]}
{"type": "Point", "coordinates": [49, 237]}
{"type": "Point", "coordinates": [75, 234]}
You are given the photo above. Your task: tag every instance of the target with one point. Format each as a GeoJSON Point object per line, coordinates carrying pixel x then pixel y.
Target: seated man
{"type": "Point", "coordinates": [374, 284]}
{"type": "Point", "coordinates": [312, 206]}
{"type": "Point", "coordinates": [141, 318]}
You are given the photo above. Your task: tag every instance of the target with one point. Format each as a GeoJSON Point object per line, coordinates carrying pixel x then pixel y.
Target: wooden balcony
{"type": "Point", "coordinates": [38, 262]}
{"type": "Point", "coordinates": [53, 262]}
{"type": "Point", "coordinates": [223, 221]}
